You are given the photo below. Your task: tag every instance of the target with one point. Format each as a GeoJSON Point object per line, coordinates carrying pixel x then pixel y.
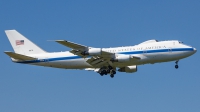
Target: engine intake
{"type": "Point", "coordinates": [128, 69]}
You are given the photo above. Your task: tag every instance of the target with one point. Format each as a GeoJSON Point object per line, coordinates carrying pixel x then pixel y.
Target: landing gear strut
{"type": "Point", "coordinates": [176, 66]}
{"type": "Point", "coordinates": [112, 73]}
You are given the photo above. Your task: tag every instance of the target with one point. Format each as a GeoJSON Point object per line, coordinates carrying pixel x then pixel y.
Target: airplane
{"type": "Point", "coordinates": [101, 60]}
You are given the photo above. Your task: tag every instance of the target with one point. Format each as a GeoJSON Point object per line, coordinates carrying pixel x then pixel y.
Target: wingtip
{"type": "Point", "coordinates": [60, 40]}
{"type": "Point", "coordinates": [7, 51]}
{"type": "Point", "coordinates": [10, 30]}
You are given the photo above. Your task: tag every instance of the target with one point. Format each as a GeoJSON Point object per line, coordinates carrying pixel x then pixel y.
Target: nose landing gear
{"type": "Point", "coordinates": [176, 66]}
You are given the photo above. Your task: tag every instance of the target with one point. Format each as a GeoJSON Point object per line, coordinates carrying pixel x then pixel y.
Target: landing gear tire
{"type": "Point", "coordinates": [108, 71]}
{"type": "Point", "coordinates": [112, 75]}
{"type": "Point", "coordinates": [176, 66]}
{"type": "Point", "coordinates": [101, 74]}
{"type": "Point", "coordinates": [104, 72]}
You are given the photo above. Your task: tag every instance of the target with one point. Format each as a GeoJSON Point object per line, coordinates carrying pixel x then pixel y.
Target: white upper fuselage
{"type": "Point", "coordinates": [150, 51]}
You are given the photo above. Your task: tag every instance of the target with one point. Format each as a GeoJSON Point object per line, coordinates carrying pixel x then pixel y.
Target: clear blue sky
{"type": "Point", "coordinates": [154, 88]}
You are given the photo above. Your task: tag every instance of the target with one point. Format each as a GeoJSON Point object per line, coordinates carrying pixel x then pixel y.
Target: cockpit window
{"type": "Point", "coordinates": [184, 44]}
{"type": "Point", "coordinates": [180, 42]}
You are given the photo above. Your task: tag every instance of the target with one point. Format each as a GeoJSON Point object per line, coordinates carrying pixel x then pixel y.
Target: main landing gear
{"type": "Point", "coordinates": [176, 66]}
{"type": "Point", "coordinates": [112, 73]}
{"type": "Point", "coordinates": [103, 72]}
{"type": "Point", "coordinates": [107, 70]}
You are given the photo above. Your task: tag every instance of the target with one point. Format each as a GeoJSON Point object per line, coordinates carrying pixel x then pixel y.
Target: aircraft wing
{"type": "Point", "coordinates": [72, 45]}
{"type": "Point", "coordinates": [99, 61]}
{"type": "Point", "coordinates": [78, 49]}
{"type": "Point", "coordinates": [96, 61]}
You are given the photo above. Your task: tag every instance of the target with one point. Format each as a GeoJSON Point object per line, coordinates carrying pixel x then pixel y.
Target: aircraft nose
{"type": "Point", "coordinates": [195, 50]}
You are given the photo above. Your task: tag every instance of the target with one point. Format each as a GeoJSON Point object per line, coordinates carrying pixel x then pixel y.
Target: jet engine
{"type": "Point", "coordinates": [122, 58]}
{"type": "Point", "coordinates": [93, 52]}
{"type": "Point", "coordinates": [128, 69]}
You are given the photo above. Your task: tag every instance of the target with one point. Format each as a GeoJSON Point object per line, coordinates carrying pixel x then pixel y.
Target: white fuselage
{"type": "Point", "coordinates": [149, 52]}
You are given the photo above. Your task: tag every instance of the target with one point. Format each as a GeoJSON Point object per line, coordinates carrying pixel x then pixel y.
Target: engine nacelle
{"type": "Point", "coordinates": [95, 51]}
{"type": "Point", "coordinates": [122, 58]}
{"type": "Point", "coordinates": [128, 69]}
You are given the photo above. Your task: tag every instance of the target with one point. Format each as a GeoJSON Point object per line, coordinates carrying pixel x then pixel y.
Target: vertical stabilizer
{"type": "Point", "coordinates": [21, 44]}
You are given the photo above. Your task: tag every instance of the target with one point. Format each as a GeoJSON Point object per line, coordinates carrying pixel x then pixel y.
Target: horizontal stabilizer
{"type": "Point", "coordinates": [19, 56]}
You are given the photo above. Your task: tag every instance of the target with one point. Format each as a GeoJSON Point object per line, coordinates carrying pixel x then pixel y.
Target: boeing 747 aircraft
{"type": "Point", "coordinates": [101, 60]}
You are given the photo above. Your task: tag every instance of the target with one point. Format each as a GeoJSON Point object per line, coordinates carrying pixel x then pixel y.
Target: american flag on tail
{"type": "Point", "coordinates": [19, 42]}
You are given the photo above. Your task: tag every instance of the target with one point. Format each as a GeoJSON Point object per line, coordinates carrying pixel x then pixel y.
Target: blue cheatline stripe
{"type": "Point", "coordinates": [64, 58]}
{"type": "Point", "coordinates": [51, 59]}
{"type": "Point", "coordinates": [130, 52]}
